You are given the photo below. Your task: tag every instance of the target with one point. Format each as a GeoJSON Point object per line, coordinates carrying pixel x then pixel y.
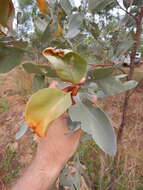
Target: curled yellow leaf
{"type": "Point", "coordinates": [45, 106]}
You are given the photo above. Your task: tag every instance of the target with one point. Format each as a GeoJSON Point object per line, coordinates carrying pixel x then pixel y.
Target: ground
{"type": "Point", "coordinates": [15, 155]}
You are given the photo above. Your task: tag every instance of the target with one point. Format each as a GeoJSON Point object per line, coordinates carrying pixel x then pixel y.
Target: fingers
{"type": "Point", "coordinates": [53, 84]}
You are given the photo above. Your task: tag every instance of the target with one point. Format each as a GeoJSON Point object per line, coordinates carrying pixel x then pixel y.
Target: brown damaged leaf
{"type": "Point", "coordinates": [69, 65]}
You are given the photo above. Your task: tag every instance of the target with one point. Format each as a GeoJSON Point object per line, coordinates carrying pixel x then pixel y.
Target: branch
{"type": "Point", "coordinates": [125, 10]}
{"type": "Point", "coordinates": [101, 65]}
{"type": "Point", "coordinates": [2, 33]}
{"type": "Point", "coordinates": [122, 70]}
{"type": "Point", "coordinates": [6, 35]}
{"type": "Point", "coordinates": [107, 65]}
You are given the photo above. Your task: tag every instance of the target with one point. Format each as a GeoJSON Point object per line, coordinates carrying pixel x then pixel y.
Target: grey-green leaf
{"type": "Point", "coordinates": [96, 5]}
{"type": "Point", "coordinates": [31, 68]}
{"type": "Point", "coordinates": [75, 24]}
{"type": "Point", "coordinates": [9, 58]}
{"type": "Point", "coordinates": [38, 82]}
{"type": "Point", "coordinates": [96, 123]}
{"type": "Point", "coordinates": [100, 73]}
{"type": "Point", "coordinates": [112, 85]}
{"type": "Point", "coordinates": [22, 131]}
{"type": "Point", "coordinates": [123, 47]}
{"type": "Point", "coordinates": [66, 5]}
{"type": "Point", "coordinates": [39, 69]}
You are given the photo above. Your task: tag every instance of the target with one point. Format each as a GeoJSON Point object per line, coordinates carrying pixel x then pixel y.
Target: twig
{"type": "Point", "coordinates": [120, 69]}
{"type": "Point", "coordinates": [125, 9]}
{"type": "Point", "coordinates": [2, 33]}
{"type": "Point", "coordinates": [107, 65]}
{"type": "Point", "coordinates": [101, 65]}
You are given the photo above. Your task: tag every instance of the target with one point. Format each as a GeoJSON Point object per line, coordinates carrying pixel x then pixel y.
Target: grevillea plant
{"type": "Point", "coordinates": [81, 56]}
{"type": "Point", "coordinates": [78, 84]}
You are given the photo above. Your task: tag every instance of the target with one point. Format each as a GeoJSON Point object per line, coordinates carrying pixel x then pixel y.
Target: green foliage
{"type": "Point", "coordinates": [66, 5]}
{"type": "Point", "coordinates": [100, 73]}
{"type": "Point", "coordinates": [25, 3]}
{"type": "Point", "coordinates": [70, 180]}
{"type": "Point", "coordinates": [112, 85]}
{"type": "Point", "coordinates": [39, 69]}
{"type": "Point", "coordinates": [123, 47]}
{"type": "Point", "coordinates": [22, 131]}
{"type": "Point", "coordinates": [96, 123]}
{"type": "Point", "coordinates": [95, 5]}
{"type": "Point", "coordinates": [11, 53]}
{"type": "Point", "coordinates": [32, 68]}
{"type": "Point", "coordinates": [38, 82]}
{"type": "Point", "coordinates": [10, 58]}
{"type": "Point", "coordinates": [93, 28]}
{"type": "Point", "coordinates": [128, 21]}
{"type": "Point", "coordinates": [75, 25]}
{"type": "Point", "coordinates": [69, 66]}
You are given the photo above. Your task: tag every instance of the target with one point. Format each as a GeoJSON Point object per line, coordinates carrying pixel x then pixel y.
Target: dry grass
{"type": "Point", "coordinates": [130, 166]}
{"type": "Point", "coordinates": [22, 81]}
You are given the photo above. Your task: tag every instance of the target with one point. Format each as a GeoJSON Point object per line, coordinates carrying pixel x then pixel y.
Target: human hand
{"type": "Point", "coordinates": [54, 150]}
{"type": "Point", "coordinates": [56, 145]}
